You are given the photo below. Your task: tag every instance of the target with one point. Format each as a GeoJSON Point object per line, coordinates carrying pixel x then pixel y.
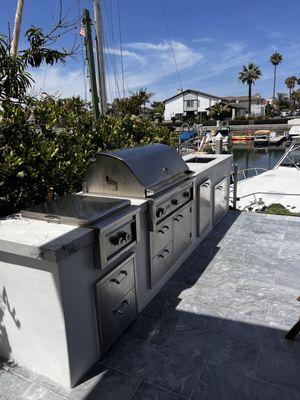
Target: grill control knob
{"type": "Point", "coordinates": [160, 212]}
{"type": "Point", "coordinates": [120, 238]}
{"type": "Point", "coordinates": [174, 202]}
{"type": "Point", "coordinates": [186, 194]}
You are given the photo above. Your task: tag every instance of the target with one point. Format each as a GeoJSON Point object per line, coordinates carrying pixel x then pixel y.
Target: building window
{"type": "Point", "coordinates": [190, 103]}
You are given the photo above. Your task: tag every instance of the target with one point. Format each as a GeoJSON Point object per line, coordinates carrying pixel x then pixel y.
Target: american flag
{"type": "Point", "coordinates": [82, 31]}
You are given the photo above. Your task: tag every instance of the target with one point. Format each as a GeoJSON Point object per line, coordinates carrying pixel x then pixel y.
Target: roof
{"type": "Point", "coordinates": [193, 91]}
{"type": "Point", "coordinates": [243, 98]}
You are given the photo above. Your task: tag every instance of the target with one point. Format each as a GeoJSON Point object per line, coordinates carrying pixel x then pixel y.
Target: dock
{"type": "Point", "coordinates": [215, 331]}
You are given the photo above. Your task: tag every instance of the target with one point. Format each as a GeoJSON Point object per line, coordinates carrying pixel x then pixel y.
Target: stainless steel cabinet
{"type": "Point", "coordinates": [116, 302]}
{"type": "Point", "coordinates": [220, 199]}
{"type": "Point", "coordinates": [168, 242]}
{"type": "Point", "coordinates": [161, 263]}
{"type": "Point", "coordinates": [181, 231]}
{"type": "Point", "coordinates": [204, 207]}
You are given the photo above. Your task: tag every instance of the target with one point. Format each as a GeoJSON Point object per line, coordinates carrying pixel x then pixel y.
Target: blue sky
{"type": "Point", "coordinates": [211, 41]}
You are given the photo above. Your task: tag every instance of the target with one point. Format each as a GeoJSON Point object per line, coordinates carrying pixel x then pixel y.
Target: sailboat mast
{"type": "Point", "coordinates": [100, 57]}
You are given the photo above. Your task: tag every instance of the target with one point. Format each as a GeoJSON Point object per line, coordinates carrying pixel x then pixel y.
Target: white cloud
{"type": "Point", "coordinates": [58, 81]}
{"type": "Point", "coordinates": [203, 40]}
{"type": "Point", "coordinates": [125, 53]}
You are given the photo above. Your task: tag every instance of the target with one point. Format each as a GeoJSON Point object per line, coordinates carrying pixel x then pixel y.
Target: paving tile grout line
{"type": "Point", "coordinates": [35, 383]}
{"type": "Point", "coordinates": [198, 378]}
{"type": "Point", "coordinates": [145, 381]}
{"type": "Point", "coordinates": [135, 390]}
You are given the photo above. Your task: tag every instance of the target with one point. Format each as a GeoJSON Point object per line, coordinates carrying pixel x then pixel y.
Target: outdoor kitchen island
{"type": "Point", "coordinates": [68, 291]}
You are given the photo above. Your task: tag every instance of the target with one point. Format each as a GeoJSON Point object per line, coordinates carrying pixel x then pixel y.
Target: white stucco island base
{"type": "Point", "coordinates": [48, 314]}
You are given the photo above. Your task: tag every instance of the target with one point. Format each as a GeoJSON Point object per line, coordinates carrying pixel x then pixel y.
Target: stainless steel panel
{"type": "Point", "coordinates": [115, 237]}
{"type": "Point", "coordinates": [117, 284]}
{"type": "Point", "coordinates": [181, 231]}
{"type": "Point", "coordinates": [160, 264]}
{"type": "Point", "coordinates": [76, 209]}
{"type": "Point", "coordinates": [136, 172]}
{"type": "Point", "coordinates": [161, 236]}
{"type": "Point", "coordinates": [115, 319]}
{"type": "Point", "coordinates": [163, 207]}
{"type": "Point", "coordinates": [220, 199]}
{"type": "Point", "coordinates": [174, 202]}
{"type": "Point", "coordinates": [204, 207]}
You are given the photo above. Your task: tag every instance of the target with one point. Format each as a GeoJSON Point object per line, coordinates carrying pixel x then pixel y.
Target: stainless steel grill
{"type": "Point", "coordinates": [157, 173]}
{"type": "Point", "coordinates": [137, 172]}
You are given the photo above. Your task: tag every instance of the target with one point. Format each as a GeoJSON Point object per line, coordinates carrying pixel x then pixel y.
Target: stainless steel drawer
{"type": "Point", "coordinates": [161, 263]}
{"type": "Point", "coordinates": [117, 284]}
{"type": "Point", "coordinates": [115, 319]}
{"type": "Point", "coordinates": [204, 207]}
{"type": "Point", "coordinates": [220, 199]}
{"type": "Point", "coordinates": [182, 223]}
{"type": "Point", "coordinates": [161, 236]}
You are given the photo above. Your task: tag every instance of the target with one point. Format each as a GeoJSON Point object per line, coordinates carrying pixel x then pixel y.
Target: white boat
{"type": "Point", "coordinates": [294, 132]}
{"type": "Point", "coordinates": [261, 140]}
{"type": "Point", "coordinates": [278, 185]}
{"type": "Point", "coordinates": [275, 139]}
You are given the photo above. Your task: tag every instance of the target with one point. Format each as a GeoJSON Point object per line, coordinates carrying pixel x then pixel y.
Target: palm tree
{"type": "Point", "coordinates": [249, 75]}
{"type": "Point", "coordinates": [281, 102]}
{"type": "Point", "coordinates": [290, 83]}
{"type": "Point", "coordinates": [295, 96]}
{"type": "Point", "coordinates": [219, 110]}
{"type": "Point", "coordinates": [275, 59]}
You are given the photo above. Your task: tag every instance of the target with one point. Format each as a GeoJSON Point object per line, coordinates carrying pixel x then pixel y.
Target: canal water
{"type": "Point", "coordinates": [247, 156]}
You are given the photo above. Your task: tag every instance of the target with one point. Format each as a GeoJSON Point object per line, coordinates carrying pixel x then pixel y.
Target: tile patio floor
{"type": "Point", "coordinates": [215, 331]}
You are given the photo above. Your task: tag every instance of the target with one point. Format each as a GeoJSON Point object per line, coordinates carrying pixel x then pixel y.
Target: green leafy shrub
{"type": "Point", "coordinates": [46, 147]}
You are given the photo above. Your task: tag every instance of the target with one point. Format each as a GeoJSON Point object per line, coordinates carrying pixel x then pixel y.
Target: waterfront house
{"type": "Point", "coordinates": [189, 103]}
{"type": "Point", "coordinates": [240, 105]}
{"type": "Point", "coordinates": [193, 103]}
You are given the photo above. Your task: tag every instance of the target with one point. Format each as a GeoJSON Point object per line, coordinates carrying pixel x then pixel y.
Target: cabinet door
{"type": "Point", "coordinates": [181, 231]}
{"type": "Point", "coordinates": [204, 207]}
{"type": "Point", "coordinates": [220, 203]}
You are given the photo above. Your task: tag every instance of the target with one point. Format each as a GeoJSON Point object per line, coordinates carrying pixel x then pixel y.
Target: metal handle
{"type": "Point", "coordinates": [123, 308]}
{"type": "Point", "coordinates": [120, 277]}
{"type": "Point", "coordinates": [178, 217]}
{"type": "Point", "coordinates": [164, 229]}
{"type": "Point", "coordinates": [52, 218]}
{"type": "Point", "coordinates": [220, 188]}
{"type": "Point", "coordinates": [166, 252]}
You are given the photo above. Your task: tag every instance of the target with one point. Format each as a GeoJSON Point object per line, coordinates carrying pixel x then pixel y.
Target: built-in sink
{"type": "Point", "coordinates": [203, 160]}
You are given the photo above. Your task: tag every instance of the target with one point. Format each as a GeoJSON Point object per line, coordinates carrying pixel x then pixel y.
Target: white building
{"type": "Point", "coordinates": [189, 103]}
{"type": "Point", "coordinates": [241, 103]}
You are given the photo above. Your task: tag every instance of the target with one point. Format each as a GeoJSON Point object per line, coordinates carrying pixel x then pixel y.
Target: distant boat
{"type": "Point", "coordinates": [261, 140]}
{"type": "Point", "coordinates": [275, 139]}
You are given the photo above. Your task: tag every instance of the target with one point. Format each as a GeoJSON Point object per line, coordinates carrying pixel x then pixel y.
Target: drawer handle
{"type": "Point", "coordinates": [219, 187]}
{"type": "Point", "coordinates": [164, 254]}
{"type": "Point", "coordinates": [120, 277]}
{"type": "Point", "coordinates": [52, 218]}
{"type": "Point", "coordinates": [178, 217]}
{"type": "Point", "coordinates": [164, 229]}
{"type": "Point", "coordinates": [123, 308]}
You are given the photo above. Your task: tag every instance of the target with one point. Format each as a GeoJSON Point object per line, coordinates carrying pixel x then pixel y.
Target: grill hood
{"type": "Point", "coordinates": [136, 172]}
